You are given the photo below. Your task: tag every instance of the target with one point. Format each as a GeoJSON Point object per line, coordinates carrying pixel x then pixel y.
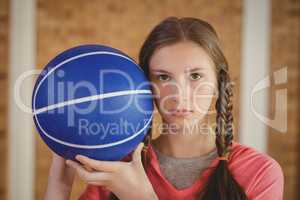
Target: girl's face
{"type": "Point", "coordinates": [184, 82]}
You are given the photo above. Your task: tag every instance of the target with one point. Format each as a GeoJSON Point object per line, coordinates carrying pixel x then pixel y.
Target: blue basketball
{"type": "Point", "coordinates": [92, 100]}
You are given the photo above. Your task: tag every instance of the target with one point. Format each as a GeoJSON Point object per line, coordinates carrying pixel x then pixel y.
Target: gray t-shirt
{"type": "Point", "coordinates": [183, 172]}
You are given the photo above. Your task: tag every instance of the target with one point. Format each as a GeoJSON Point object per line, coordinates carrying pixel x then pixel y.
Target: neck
{"type": "Point", "coordinates": [182, 144]}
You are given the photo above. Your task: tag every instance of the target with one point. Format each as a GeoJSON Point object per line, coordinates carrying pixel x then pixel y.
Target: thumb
{"type": "Point", "coordinates": [136, 157]}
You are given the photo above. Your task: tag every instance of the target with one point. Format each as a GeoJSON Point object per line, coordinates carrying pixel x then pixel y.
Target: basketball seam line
{"type": "Point", "coordinates": [94, 146]}
{"type": "Point", "coordinates": [89, 98]}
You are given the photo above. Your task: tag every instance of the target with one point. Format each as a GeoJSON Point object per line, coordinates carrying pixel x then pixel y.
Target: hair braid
{"type": "Point", "coordinates": [222, 180]}
{"type": "Point", "coordinates": [224, 130]}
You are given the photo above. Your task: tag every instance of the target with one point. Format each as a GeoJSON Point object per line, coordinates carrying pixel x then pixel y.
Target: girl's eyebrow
{"type": "Point", "coordinates": [187, 70]}
{"type": "Point", "coordinates": [194, 69]}
{"type": "Point", "coordinates": [161, 70]}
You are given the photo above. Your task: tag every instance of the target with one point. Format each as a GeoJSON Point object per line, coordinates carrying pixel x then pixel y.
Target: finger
{"type": "Point", "coordinates": [103, 184]}
{"type": "Point", "coordinates": [88, 168]}
{"type": "Point", "coordinates": [106, 166]}
{"type": "Point", "coordinates": [101, 178]}
{"type": "Point", "coordinates": [84, 174]}
{"type": "Point", "coordinates": [136, 157]}
{"type": "Point", "coordinates": [94, 183]}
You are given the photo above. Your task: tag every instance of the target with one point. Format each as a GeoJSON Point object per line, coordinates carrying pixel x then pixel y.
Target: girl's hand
{"type": "Point", "coordinates": [127, 180]}
{"type": "Point", "coordinates": [60, 179]}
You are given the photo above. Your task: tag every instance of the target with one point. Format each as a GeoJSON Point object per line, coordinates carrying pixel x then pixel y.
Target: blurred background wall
{"type": "Point", "coordinates": [124, 25]}
{"type": "Point", "coordinates": [285, 52]}
{"type": "Point", "coordinates": [4, 34]}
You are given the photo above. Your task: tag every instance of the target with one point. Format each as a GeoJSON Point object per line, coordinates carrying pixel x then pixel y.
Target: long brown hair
{"type": "Point", "coordinates": [221, 184]}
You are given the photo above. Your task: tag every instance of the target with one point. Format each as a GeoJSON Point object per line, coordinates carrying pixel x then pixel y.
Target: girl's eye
{"type": "Point", "coordinates": [195, 76]}
{"type": "Point", "coordinates": [163, 77]}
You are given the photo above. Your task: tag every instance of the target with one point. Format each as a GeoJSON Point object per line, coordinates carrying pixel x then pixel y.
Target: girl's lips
{"type": "Point", "coordinates": [181, 112]}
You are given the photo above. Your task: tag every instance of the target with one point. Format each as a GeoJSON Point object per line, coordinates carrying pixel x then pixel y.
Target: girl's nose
{"type": "Point", "coordinates": [183, 101]}
{"type": "Point", "coordinates": [182, 95]}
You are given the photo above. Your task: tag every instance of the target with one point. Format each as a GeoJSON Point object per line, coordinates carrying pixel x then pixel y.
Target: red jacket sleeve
{"type": "Point", "coordinates": [93, 192]}
{"type": "Point", "coordinates": [269, 183]}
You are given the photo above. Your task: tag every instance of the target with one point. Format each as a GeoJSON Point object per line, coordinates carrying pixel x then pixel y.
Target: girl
{"type": "Point", "coordinates": [189, 76]}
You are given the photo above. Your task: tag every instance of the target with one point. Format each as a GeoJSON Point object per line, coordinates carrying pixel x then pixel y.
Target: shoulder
{"type": "Point", "coordinates": [259, 173]}
{"type": "Point", "coordinates": [249, 156]}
